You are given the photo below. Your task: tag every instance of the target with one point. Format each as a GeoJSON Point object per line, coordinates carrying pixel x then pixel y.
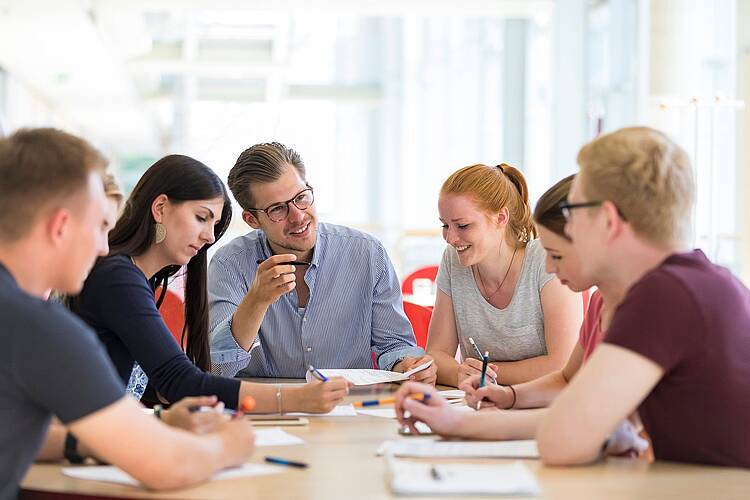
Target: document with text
{"type": "Point", "coordinates": [368, 376]}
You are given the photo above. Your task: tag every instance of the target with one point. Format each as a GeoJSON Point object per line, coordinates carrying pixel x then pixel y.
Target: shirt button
{"type": "Point", "coordinates": [308, 349]}
{"type": "Point", "coordinates": [304, 319]}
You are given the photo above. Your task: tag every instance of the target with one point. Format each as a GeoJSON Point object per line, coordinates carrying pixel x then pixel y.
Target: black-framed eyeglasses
{"type": "Point", "coordinates": [280, 211]}
{"type": "Point", "coordinates": [566, 207]}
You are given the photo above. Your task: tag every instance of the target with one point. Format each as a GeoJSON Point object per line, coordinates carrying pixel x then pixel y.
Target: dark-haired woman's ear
{"type": "Point", "coordinates": [250, 219]}
{"type": "Point", "coordinates": [157, 207]}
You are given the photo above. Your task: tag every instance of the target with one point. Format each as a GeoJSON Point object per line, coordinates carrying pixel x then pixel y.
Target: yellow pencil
{"type": "Point", "coordinates": [420, 396]}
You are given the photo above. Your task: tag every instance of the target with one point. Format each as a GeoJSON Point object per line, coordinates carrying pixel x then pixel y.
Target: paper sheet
{"type": "Point", "coordinates": [433, 448]}
{"type": "Point", "coordinates": [275, 436]}
{"type": "Point", "coordinates": [452, 394]}
{"type": "Point", "coordinates": [368, 377]}
{"type": "Point", "coordinates": [338, 411]}
{"type": "Point", "coordinates": [379, 412]}
{"type": "Point", "coordinates": [111, 474]}
{"type": "Point", "coordinates": [414, 478]}
{"type": "Point", "coordinates": [391, 412]}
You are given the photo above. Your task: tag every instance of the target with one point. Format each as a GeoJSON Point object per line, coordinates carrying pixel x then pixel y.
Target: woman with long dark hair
{"type": "Point", "coordinates": [178, 209]}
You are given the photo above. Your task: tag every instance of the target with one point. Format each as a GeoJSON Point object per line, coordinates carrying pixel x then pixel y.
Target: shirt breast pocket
{"type": "Point", "coordinates": [524, 342]}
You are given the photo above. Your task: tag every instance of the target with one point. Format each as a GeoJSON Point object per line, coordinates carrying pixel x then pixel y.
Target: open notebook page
{"type": "Point", "coordinates": [415, 478]}
{"type": "Point", "coordinates": [111, 474]}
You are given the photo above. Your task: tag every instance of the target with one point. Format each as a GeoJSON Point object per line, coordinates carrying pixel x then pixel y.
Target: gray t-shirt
{"type": "Point", "coordinates": [50, 364]}
{"type": "Point", "coordinates": [510, 334]}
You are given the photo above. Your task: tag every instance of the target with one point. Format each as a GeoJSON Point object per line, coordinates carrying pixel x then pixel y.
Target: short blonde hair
{"type": "Point", "coordinates": [112, 188]}
{"type": "Point", "coordinates": [647, 176]}
{"type": "Point", "coordinates": [493, 188]}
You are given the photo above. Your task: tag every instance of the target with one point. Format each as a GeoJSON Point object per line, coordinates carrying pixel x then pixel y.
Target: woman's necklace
{"type": "Point", "coordinates": [481, 282]}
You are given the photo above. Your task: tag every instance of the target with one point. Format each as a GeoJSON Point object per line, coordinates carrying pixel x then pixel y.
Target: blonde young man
{"type": "Point", "coordinates": [678, 347]}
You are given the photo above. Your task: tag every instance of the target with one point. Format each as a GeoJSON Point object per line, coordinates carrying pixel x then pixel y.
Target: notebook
{"type": "Point", "coordinates": [421, 478]}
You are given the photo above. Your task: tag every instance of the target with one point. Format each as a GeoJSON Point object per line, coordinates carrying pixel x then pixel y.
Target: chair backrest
{"type": "Point", "coordinates": [419, 317]}
{"type": "Point", "coordinates": [429, 272]}
{"type": "Point", "coordinates": [173, 312]}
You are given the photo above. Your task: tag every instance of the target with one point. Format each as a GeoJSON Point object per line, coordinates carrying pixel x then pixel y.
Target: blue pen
{"type": "Point", "coordinates": [479, 355]}
{"type": "Point", "coordinates": [283, 461]}
{"type": "Point", "coordinates": [485, 361]}
{"type": "Point", "coordinates": [317, 374]}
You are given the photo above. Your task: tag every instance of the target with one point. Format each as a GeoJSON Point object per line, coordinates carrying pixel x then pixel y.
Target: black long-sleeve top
{"type": "Point", "coordinates": [118, 303]}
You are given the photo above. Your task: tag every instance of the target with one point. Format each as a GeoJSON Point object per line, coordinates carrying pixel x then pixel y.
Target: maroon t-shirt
{"type": "Point", "coordinates": [692, 318]}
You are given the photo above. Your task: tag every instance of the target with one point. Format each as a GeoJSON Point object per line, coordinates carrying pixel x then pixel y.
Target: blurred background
{"type": "Point", "coordinates": [384, 99]}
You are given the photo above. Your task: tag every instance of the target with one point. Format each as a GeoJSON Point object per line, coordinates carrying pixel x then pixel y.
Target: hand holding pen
{"type": "Point", "coordinates": [202, 414]}
{"type": "Point", "coordinates": [416, 402]}
{"type": "Point", "coordinates": [491, 395]}
{"type": "Point", "coordinates": [473, 366]}
{"type": "Point", "coordinates": [274, 277]}
{"type": "Point", "coordinates": [324, 393]}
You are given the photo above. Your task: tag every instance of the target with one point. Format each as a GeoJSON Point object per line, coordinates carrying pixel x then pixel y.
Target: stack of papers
{"type": "Point", "coordinates": [275, 437]}
{"type": "Point", "coordinates": [434, 448]}
{"type": "Point", "coordinates": [111, 474]}
{"type": "Point", "coordinates": [417, 478]}
{"type": "Point", "coordinates": [368, 377]}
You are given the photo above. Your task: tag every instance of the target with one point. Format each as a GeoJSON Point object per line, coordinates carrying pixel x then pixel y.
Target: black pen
{"type": "Point", "coordinates": [485, 361]}
{"type": "Point", "coordinates": [481, 356]}
{"type": "Point", "coordinates": [291, 263]}
{"type": "Point", "coordinates": [284, 461]}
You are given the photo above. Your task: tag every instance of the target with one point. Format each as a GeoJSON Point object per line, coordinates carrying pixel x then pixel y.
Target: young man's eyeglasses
{"type": "Point", "coordinates": [279, 211]}
{"type": "Point", "coordinates": [566, 207]}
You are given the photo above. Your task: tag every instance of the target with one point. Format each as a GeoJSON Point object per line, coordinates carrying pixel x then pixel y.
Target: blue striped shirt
{"type": "Point", "coordinates": [354, 308]}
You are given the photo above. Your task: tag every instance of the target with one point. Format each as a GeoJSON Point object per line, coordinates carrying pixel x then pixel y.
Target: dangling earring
{"type": "Point", "coordinates": [161, 233]}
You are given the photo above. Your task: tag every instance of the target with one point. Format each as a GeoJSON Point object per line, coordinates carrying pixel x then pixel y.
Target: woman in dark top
{"type": "Point", "coordinates": [178, 209]}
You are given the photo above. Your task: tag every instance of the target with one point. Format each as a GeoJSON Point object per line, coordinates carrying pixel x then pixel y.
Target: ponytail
{"type": "Point", "coordinates": [521, 222]}
{"type": "Point", "coordinates": [494, 188]}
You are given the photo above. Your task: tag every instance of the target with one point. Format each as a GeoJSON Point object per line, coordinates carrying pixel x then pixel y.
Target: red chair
{"type": "Point", "coordinates": [419, 317]}
{"type": "Point", "coordinates": [173, 312]}
{"type": "Point", "coordinates": [429, 272]}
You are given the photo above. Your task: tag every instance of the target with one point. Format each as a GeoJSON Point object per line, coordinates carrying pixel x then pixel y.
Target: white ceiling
{"type": "Point", "coordinates": [128, 72]}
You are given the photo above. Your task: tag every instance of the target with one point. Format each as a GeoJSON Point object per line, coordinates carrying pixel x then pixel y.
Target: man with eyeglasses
{"type": "Point", "coordinates": [678, 345]}
{"type": "Point", "coordinates": [295, 292]}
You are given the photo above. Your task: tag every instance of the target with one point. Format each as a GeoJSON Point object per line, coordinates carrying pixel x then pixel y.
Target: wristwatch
{"type": "Point", "coordinates": [71, 449]}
